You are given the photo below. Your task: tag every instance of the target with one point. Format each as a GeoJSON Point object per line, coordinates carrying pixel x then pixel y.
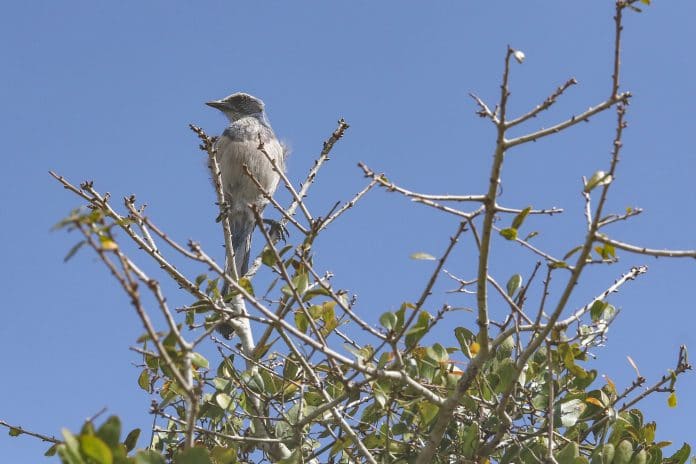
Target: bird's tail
{"type": "Point", "coordinates": [241, 228]}
{"type": "Point", "coordinates": [241, 241]}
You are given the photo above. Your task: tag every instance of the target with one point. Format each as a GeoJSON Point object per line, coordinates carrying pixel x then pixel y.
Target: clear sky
{"type": "Point", "coordinates": [105, 90]}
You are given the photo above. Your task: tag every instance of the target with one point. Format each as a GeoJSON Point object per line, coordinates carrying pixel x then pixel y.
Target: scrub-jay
{"type": "Point", "coordinates": [238, 146]}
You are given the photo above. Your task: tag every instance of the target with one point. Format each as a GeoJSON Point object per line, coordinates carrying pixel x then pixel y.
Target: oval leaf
{"type": "Point", "coordinates": [422, 256]}
{"type": "Point", "coordinates": [96, 449]}
{"type": "Point", "coordinates": [513, 284]}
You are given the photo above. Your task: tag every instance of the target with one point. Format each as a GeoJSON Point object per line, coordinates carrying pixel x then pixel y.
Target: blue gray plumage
{"type": "Point", "coordinates": [236, 147]}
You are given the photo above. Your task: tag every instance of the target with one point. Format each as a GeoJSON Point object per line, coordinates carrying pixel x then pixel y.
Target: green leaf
{"type": "Point", "coordinates": [568, 453]}
{"type": "Point", "coordinates": [597, 309]}
{"type": "Point", "coordinates": [328, 313]}
{"type": "Point", "coordinates": [610, 250]}
{"type": "Point", "coordinates": [572, 252]}
{"type": "Point", "coordinates": [152, 361]}
{"type": "Point", "coordinates": [419, 329]}
{"type": "Point", "coordinates": [530, 236]}
{"type": "Point", "coordinates": [52, 450]}
{"type": "Point", "coordinates": [110, 431]}
{"type": "Point", "coordinates": [569, 412]}
{"type": "Point", "coordinates": [131, 439]}
{"type": "Point", "coordinates": [464, 337]}
{"type": "Point", "coordinates": [519, 219]}
{"type": "Point", "coordinates": [506, 372]}
{"type": "Point", "coordinates": [224, 455]}
{"type": "Point", "coordinates": [649, 432]}
{"type": "Point", "coordinates": [245, 283]}
{"type": "Point", "coordinates": [73, 250]}
{"type": "Point", "coordinates": [144, 380]}
{"type": "Point", "coordinates": [608, 452]}
{"type": "Point", "coordinates": [315, 312]}
{"type": "Point", "coordinates": [606, 251]}
{"type": "Point", "coordinates": [655, 454]}
{"type": "Point", "coordinates": [559, 265]}
{"type": "Point", "coordinates": [254, 382]}
{"type": "Point", "coordinates": [316, 291]}
{"type": "Point", "coordinates": [513, 284]}
{"type": "Point", "coordinates": [301, 282]}
{"type": "Point", "coordinates": [623, 452]}
{"type": "Point", "coordinates": [198, 360]}
{"type": "Point", "coordinates": [94, 448]}
{"type": "Point", "coordinates": [220, 384]}
{"type": "Point", "coordinates": [427, 411]}
{"type": "Point", "coordinates": [437, 353]}
{"type": "Point", "coordinates": [597, 179]}
{"type": "Point", "coordinates": [223, 400]}
{"type": "Point", "coordinates": [569, 360]}
{"type": "Point", "coordinates": [509, 234]}
{"type": "Point", "coordinates": [193, 456]}
{"type": "Point", "coordinates": [585, 380]}
{"type": "Point", "coordinates": [301, 321]}
{"type": "Point", "coordinates": [541, 400]}
{"type": "Point", "coordinates": [149, 457]}
{"type": "Point", "coordinates": [505, 348]}
{"type": "Point", "coordinates": [608, 313]}
{"type": "Point", "coordinates": [107, 243]}
{"type": "Point", "coordinates": [672, 400]}
{"type": "Point", "coordinates": [268, 257]}
{"type": "Point", "coordinates": [291, 368]}
{"type": "Point", "coordinates": [69, 451]}
{"type": "Point", "coordinates": [423, 256]}
{"type": "Point", "coordinates": [469, 440]}
{"type": "Point", "coordinates": [87, 428]}
{"type": "Point", "coordinates": [681, 455]}
{"type": "Point", "coordinates": [388, 320]}
{"type": "Point", "coordinates": [14, 432]}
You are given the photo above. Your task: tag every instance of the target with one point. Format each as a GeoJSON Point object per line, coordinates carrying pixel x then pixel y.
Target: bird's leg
{"type": "Point", "coordinates": [224, 211]}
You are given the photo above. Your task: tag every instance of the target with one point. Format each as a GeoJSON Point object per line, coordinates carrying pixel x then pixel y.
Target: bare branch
{"type": "Point", "coordinates": [550, 100]}
{"type": "Point", "coordinates": [417, 197]}
{"type": "Point", "coordinates": [584, 116]}
{"type": "Point", "coordinates": [208, 145]}
{"type": "Point", "coordinates": [323, 157]}
{"type": "Point", "coordinates": [646, 251]}
{"type": "Point", "coordinates": [16, 429]}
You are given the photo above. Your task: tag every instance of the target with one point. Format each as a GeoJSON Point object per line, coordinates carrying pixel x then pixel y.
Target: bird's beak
{"type": "Point", "coordinates": [217, 104]}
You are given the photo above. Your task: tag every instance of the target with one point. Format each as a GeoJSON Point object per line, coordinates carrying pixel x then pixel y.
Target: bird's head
{"type": "Point", "coordinates": [239, 105]}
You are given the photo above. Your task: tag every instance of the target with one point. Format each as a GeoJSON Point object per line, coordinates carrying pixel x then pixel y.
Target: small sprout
{"type": "Point", "coordinates": [633, 364]}
{"type": "Point", "coordinates": [519, 56]}
{"type": "Point", "coordinates": [513, 284]}
{"type": "Point", "coordinates": [423, 256]}
{"type": "Point", "coordinates": [107, 244]}
{"type": "Point", "coordinates": [509, 233]}
{"type": "Point", "coordinates": [519, 219]}
{"type": "Point", "coordinates": [597, 179]}
{"type": "Point", "coordinates": [531, 235]}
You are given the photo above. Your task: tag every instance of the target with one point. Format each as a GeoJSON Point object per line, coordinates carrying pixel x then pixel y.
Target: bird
{"type": "Point", "coordinates": [236, 147]}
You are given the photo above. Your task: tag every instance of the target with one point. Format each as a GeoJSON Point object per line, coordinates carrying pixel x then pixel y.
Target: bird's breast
{"type": "Point", "coordinates": [238, 147]}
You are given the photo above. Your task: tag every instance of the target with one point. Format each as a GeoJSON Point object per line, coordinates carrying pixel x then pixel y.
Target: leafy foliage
{"type": "Point", "coordinates": [296, 386]}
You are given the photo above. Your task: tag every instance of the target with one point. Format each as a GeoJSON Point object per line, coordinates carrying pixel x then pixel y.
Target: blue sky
{"type": "Point", "coordinates": [105, 90]}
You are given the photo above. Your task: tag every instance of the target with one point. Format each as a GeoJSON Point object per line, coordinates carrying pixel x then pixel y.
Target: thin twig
{"type": "Point", "coordinates": [646, 251]}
